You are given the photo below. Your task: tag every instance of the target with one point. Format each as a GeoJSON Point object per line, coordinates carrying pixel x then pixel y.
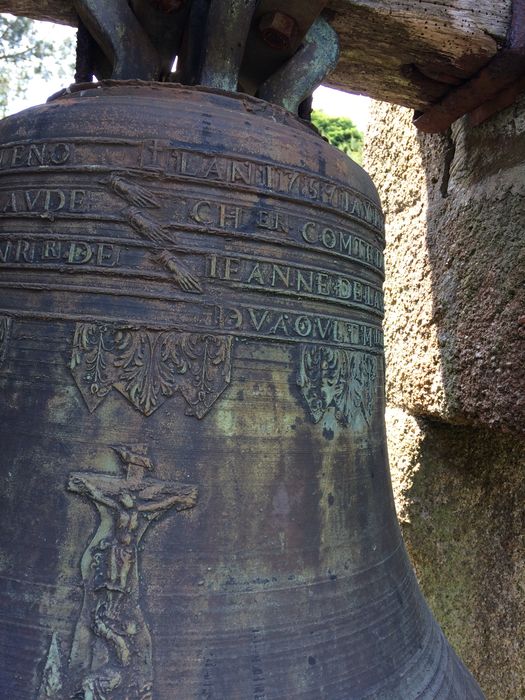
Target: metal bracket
{"type": "Point", "coordinates": [305, 71]}
{"type": "Point", "coordinates": [121, 37]}
{"type": "Point", "coordinates": [227, 30]}
{"type": "Point", "coordinates": [132, 39]}
{"type": "Point", "coordinates": [493, 88]}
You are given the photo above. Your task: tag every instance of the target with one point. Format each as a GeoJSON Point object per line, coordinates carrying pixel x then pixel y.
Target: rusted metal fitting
{"type": "Point", "coordinates": [306, 70]}
{"type": "Point", "coordinates": [278, 30]}
{"type": "Point", "coordinates": [229, 23]}
{"type": "Point", "coordinates": [122, 39]}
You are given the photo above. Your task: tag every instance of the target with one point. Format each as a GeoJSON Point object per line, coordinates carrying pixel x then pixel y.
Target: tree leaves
{"type": "Point", "coordinates": [341, 132]}
{"type": "Point", "coordinates": [25, 54]}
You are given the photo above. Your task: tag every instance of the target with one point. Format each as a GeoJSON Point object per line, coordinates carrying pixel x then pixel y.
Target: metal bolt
{"type": "Point", "coordinates": [278, 30]}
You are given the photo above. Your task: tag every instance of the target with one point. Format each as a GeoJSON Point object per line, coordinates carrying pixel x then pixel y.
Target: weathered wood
{"type": "Point", "coordinates": [393, 51]}
{"type": "Point", "coordinates": [482, 93]}
{"type": "Point", "coordinates": [407, 52]}
{"type": "Point", "coordinates": [60, 11]}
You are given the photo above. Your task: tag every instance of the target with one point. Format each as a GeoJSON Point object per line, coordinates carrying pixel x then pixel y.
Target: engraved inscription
{"type": "Point", "coordinates": [111, 654]}
{"type": "Point", "coordinates": [308, 233]}
{"type": "Point", "coordinates": [6, 324]}
{"type": "Point", "coordinates": [60, 252]}
{"type": "Point", "coordinates": [161, 155]}
{"type": "Point", "coordinates": [219, 214]}
{"type": "Point", "coordinates": [102, 348]}
{"type": "Point", "coordinates": [43, 201]}
{"type": "Point", "coordinates": [298, 280]}
{"type": "Point", "coordinates": [165, 157]}
{"type": "Point", "coordinates": [273, 220]}
{"type": "Point", "coordinates": [343, 242]}
{"type": "Point", "coordinates": [264, 322]}
{"type": "Point", "coordinates": [31, 155]}
{"type": "Point", "coordinates": [338, 385]}
{"type": "Point", "coordinates": [148, 367]}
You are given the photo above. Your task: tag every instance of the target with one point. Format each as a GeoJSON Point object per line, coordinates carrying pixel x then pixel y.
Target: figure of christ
{"type": "Point", "coordinates": [111, 656]}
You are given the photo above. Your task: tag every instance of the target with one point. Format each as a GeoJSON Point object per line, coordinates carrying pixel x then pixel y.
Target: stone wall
{"type": "Point", "coordinates": [455, 332]}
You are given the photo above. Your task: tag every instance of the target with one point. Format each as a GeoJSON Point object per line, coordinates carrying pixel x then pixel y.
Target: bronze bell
{"type": "Point", "coordinates": [195, 493]}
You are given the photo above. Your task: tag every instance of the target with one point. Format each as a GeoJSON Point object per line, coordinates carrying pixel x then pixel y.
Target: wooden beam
{"type": "Point", "coordinates": [410, 52]}
{"type": "Point", "coordinates": [404, 51]}
{"type": "Point", "coordinates": [59, 11]}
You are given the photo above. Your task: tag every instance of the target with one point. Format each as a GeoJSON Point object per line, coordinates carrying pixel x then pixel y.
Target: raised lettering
{"type": "Point", "coordinates": [342, 242]}
{"type": "Point", "coordinates": [273, 277]}
{"type": "Point", "coordinates": [167, 157]}
{"type": "Point", "coordinates": [17, 155]}
{"type": "Point", "coordinates": [201, 213]}
{"type": "Point", "coordinates": [228, 318]}
{"type": "Point", "coordinates": [328, 238]}
{"type": "Point", "coordinates": [60, 154]}
{"type": "Point", "coordinates": [229, 216]}
{"type": "Point", "coordinates": [241, 172]}
{"type": "Point", "coordinates": [34, 155]}
{"type": "Point", "coordinates": [212, 269]}
{"type": "Point", "coordinates": [52, 250]}
{"type": "Point", "coordinates": [323, 284]}
{"type": "Point", "coordinates": [272, 220]}
{"type": "Point", "coordinates": [309, 232]}
{"type": "Point", "coordinates": [258, 322]}
{"type": "Point", "coordinates": [42, 200]}
{"type": "Point", "coordinates": [31, 200]}
{"type": "Point", "coordinates": [76, 199]}
{"type": "Point", "coordinates": [343, 288]}
{"type": "Point", "coordinates": [213, 170]}
{"type": "Point", "coordinates": [38, 153]}
{"type": "Point", "coordinates": [279, 180]}
{"type": "Point", "coordinates": [303, 326]}
{"type": "Point", "coordinates": [79, 253]}
{"type": "Point", "coordinates": [55, 200]}
{"type": "Point", "coordinates": [283, 273]}
{"type": "Point", "coordinates": [56, 251]}
{"type": "Point", "coordinates": [25, 251]}
{"type": "Point", "coordinates": [291, 326]}
{"type": "Point", "coordinates": [324, 330]}
{"type": "Point", "coordinates": [304, 284]}
{"type": "Point", "coordinates": [231, 268]}
{"type": "Point", "coordinates": [280, 325]}
{"type": "Point", "coordinates": [184, 165]}
{"type": "Point", "coordinates": [256, 275]}
{"type": "Point", "coordinates": [5, 251]}
{"type": "Point", "coordinates": [10, 205]}
{"type": "Point", "coordinates": [108, 255]}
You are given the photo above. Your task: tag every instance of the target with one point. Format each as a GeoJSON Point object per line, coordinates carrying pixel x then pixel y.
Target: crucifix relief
{"type": "Point", "coordinates": [111, 654]}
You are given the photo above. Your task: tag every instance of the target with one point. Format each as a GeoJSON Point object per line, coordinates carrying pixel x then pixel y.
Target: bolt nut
{"type": "Point", "coordinates": [278, 30]}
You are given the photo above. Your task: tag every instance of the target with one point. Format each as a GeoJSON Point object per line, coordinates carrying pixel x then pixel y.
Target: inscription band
{"type": "Point", "coordinates": [168, 158]}
{"type": "Point", "coordinates": [243, 322]}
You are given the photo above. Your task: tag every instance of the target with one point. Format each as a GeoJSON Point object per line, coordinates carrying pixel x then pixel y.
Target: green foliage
{"type": "Point", "coordinates": [340, 132]}
{"type": "Point", "coordinates": [25, 54]}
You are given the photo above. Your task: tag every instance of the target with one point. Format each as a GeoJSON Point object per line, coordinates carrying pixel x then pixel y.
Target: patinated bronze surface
{"type": "Point", "coordinates": [194, 492]}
